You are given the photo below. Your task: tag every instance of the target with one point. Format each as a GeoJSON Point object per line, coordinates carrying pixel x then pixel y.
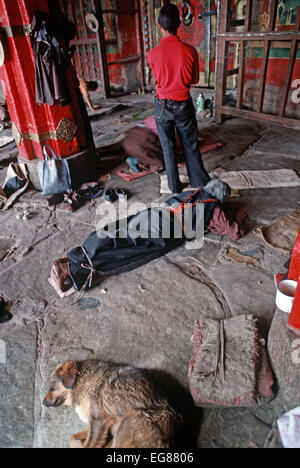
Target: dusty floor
{"type": "Point", "coordinates": [149, 326]}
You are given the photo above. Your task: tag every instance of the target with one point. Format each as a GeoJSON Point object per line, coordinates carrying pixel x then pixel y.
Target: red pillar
{"type": "Point", "coordinates": [294, 274]}
{"type": "Point", "coordinates": [37, 124]}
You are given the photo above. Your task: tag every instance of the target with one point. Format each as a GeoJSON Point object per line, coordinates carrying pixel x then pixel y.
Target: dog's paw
{"type": "Point", "coordinates": [76, 443]}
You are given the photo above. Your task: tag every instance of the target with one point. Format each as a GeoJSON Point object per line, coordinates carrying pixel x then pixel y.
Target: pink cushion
{"type": "Point", "coordinates": [150, 123]}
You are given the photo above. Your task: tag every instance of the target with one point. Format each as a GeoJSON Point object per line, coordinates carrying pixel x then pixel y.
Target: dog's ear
{"type": "Point", "coordinates": [68, 373]}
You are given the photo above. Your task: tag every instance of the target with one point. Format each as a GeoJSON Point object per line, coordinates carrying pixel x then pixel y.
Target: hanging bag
{"type": "Point", "coordinates": [54, 174]}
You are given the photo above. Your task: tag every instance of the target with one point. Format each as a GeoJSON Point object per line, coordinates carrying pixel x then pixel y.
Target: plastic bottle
{"type": "Point", "coordinates": [200, 103]}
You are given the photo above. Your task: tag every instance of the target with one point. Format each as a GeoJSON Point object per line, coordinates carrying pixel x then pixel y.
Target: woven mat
{"type": "Point", "coordinates": [245, 180]}
{"type": "Point", "coordinates": [282, 233]}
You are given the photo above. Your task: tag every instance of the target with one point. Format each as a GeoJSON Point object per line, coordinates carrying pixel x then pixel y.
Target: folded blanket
{"type": "Point", "coordinates": [246, 180]}
{"type": "Point", "coordinates": [230, 365]}
{"type": "Point", "coordinates": [282, 233]}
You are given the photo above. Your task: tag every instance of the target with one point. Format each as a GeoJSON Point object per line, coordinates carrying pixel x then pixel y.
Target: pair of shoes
{"type": "Point", "coordinates": [5, 316]}
{"type": "Point", "coordinates": [88, 191]}
{"type": "Point", "coordinates": [111, 195]}
{"type": "Point", "coordinates": [60, 274]}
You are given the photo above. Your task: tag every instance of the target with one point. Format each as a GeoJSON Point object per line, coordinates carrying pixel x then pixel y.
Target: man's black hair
{"type": "Point", "coordinates": [169, 18]}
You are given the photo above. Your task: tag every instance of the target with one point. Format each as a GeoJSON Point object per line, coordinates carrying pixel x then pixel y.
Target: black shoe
{"type": "Point", "coordinates": [179, 190]}
{"type": "Point", "coordinates": [89, 193]}
{"type": "Point", "coordinates": [121, 193]}
{"type": "Point", "coordinates": [109, 195]}
{"type": "Point", "coordinates": [4, 315]}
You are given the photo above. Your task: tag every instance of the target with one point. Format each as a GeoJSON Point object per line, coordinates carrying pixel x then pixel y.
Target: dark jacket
{"type": "Point", "coordinates": [111, 254]}
{"type": "Point", "coordinates": [51, 62]}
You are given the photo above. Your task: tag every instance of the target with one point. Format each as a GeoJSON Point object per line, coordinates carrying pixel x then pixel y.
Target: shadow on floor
{"type": "Point", "coordinates": [183, 403]}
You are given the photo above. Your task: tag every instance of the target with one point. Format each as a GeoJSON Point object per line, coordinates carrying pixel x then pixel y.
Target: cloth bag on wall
{"type": "Point", "coordinates": [54, 174]}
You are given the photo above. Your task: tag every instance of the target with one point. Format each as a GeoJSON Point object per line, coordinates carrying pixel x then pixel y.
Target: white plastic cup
{"type": "Point", "coordinates": [285, 295]}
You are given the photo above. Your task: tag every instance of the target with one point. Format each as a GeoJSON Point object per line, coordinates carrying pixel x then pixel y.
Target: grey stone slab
{"type": "Point", "coordinates": [247, 290]}
{"type": "Point", "coordinates": [23, 231]}
{"type": "Point", "coordinates": [254, 160]}
{"type": "Point", "coordinates": [5, 245]}
{"type": "Point", "coordinates": [86, 214]}
{"type": "Point", "coordinates": [29, 277]}
{"type": "Point", "coordinates": [269, 259]}
{"type": "Point", "coordinates": [236, 135]}
{"type": "Point", "coordinates": [17, 381]}
{"type": "Point", "coordinates": [205, 257]}
{"type": "Point", "coordinates": [281, 141]}
{"type": "Point", "coordinates": [57, 427]}
{"type": "Point", "coordinates": [284, 351]}
{"type": "Point", "coordinates": [154, 302]}
{"type": "Point", "coordinates": [263, 206]}
{"type": "Point", "coordinates": [231, 428]}
{"type": "Point", "coordinates": [24, 312]}
{"type": "Point", "coordinates": [150, 329]}
{"type": "Point", "coordinates": [8, 224]}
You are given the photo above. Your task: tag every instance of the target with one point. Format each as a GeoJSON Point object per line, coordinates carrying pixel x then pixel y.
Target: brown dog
{"type": "Point", "coordinates": [123, 407]}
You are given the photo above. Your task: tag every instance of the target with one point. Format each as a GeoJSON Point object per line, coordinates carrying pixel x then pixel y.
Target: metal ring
{"type": "Point", "coordinates": [189, 17]}
{"type": "Point", "coordinates": [92, 22]}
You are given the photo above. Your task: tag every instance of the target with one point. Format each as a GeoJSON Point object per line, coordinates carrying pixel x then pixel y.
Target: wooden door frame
{"type": "Point", "coordinates": [101, 44]}
{"type": "Point", "coordinates": [224, 37]}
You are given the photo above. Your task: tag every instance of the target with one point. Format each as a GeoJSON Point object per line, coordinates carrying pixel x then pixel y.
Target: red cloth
{"type": "Point", "coordinates": [221, 225]}
{"type": "Point", "coordinates": [294, 270]}
{"type": "Point", "coordinates": [175, 66]}
{"type": "Point", "coordinates": [294, 274]}
{"type": "Point", "coordinates": [121, 172]}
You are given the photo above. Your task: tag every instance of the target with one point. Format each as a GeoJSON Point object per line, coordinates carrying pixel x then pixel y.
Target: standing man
{"type": "Point", "coordinates": [175, 67]}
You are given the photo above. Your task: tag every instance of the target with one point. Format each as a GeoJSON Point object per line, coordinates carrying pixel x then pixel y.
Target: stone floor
{"type": "Point", "coordinates": [146, 316]}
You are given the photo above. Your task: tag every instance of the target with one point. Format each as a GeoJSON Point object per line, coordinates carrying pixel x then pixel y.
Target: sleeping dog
{"type": "Point", "coordinates": [121, 405]}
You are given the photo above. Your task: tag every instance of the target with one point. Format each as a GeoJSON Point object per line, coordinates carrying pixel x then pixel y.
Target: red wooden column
{"type": "Point", "coordinates": [294, 274]}
{"type": "Point", "coordinates": [37, 124]}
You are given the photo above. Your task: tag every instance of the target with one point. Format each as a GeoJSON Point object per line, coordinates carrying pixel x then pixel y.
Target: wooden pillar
{"type": "Point", "coordinates": [34, 125]}
{"type": "Point", "coordinates": [222, 56]}
{"type": "Point", "coordinates": [102, 49]}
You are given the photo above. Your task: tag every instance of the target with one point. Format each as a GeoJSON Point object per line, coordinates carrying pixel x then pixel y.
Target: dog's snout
{"type": "Point", "coordinates": [45, 403]}
{"type": "Point", "coordinates": [52, 404]}
{"type": "Point", "coordinates": [50, 401]}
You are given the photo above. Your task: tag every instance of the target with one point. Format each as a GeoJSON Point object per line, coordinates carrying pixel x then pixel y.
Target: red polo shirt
{"type": "Point", "coordinates": [175, 67]}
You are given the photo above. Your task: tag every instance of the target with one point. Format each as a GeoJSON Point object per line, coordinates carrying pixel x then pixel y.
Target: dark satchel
{"type": "Point", "coordinates": [54, 174]}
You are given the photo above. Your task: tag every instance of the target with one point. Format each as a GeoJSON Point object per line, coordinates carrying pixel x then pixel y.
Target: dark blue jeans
{"type": "Point", "coordinates": [180, 115]}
